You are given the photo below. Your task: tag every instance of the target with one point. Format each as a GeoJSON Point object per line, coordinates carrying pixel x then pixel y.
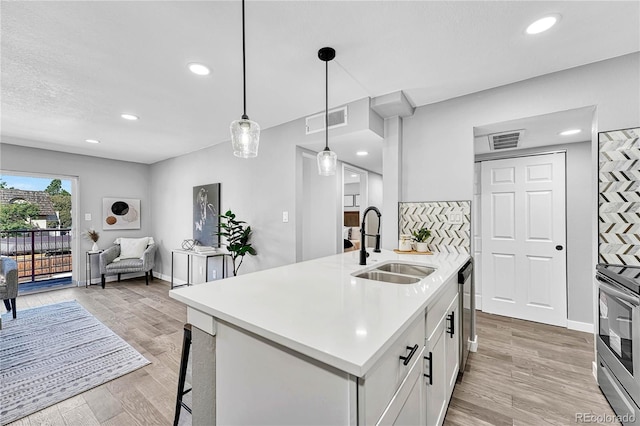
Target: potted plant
{"type": "Point", "coordinates": [237, 236]}
{"type": "Point", "coordinates": [420, 237]}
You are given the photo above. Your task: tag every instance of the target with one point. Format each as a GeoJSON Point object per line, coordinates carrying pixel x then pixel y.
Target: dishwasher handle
{"type": "Point", "coordinates": [465, 272]}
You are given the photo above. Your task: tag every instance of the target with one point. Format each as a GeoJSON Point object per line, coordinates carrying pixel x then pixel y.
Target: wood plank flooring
{"type": "Point", "coordinates": [149, 321]}
{"type": "Point", "coordinates": [524, 373]}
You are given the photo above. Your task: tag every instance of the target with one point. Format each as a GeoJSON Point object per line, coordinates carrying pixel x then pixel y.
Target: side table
{"type": "Point", "coordinates": [88, 276]}
{"type": "Point", "coordinates": [205, 255]}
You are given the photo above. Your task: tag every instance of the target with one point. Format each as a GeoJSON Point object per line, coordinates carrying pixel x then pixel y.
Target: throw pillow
{"type": "Point", "coordinates": [133, 248]}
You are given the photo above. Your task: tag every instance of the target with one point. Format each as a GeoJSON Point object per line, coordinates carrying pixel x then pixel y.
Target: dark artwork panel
{"type": "Point", "coordinates": [206, 208]}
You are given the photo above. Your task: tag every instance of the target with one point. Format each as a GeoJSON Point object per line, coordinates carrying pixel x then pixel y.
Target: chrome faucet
{"type": "Point", "coordinates": [363, 251]}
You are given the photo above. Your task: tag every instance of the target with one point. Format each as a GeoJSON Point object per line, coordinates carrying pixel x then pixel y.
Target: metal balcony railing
{"type": "Point", "coordinates": [41, 254]}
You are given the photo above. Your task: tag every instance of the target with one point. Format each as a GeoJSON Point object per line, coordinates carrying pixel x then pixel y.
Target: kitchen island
{"type": "Point", "coordinates": [308, 343]}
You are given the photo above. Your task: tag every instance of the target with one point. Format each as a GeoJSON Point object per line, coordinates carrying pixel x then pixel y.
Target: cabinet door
{"type": "Point", "coordinates": [452, 345]}
{"type": "Point", "coordinates": [435, 367]}
{"type": "Point", "coordinates": [407, 405]}
{"type": "Point", "coordinates": [412, 413]}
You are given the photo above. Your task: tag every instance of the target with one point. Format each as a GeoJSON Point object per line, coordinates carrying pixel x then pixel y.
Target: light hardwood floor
{"type": "Point", "coordinates": [524, 373]}
{"type": "Point", "coordinates": [527, 373]}
{"type": "Point", "coordinates": [149, 321]}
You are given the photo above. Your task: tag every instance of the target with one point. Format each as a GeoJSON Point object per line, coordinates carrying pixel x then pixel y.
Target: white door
{"type": "Point", "coordinates": [523, 238]}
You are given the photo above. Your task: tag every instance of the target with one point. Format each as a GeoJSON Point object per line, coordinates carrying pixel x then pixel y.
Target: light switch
{"type": "Point", "coordinates": [285, 217]}
{"type": "Point", "coordinates": [87, 216]}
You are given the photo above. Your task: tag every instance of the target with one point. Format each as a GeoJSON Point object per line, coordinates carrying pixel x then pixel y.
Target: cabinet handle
{"type": "Point", "coordinates": [430, 375]}
{"type": "Point", "coordinates": [406, 359]}
{"type": "Point", "coordinates": [452, 324]}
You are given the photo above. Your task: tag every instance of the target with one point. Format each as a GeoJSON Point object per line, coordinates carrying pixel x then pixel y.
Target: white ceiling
{"type": "Point", "coordinates": [69, 68]}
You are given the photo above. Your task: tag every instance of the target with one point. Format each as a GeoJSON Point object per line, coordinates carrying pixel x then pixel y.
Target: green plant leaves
{"type": "Point", "coordinates": [237, 236]}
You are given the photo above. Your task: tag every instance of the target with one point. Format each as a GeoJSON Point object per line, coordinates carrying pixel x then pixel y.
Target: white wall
{"type": "Point", "coordinates": [438, 151]}
{"type": "Point", "coordinates": [438, 138]}
{"type": "Point", "coordinates": [319, 218]}
{"type": "Point", "coordinates": [97, 178]}
{"type": "Point", "coordinates": [257, 190]}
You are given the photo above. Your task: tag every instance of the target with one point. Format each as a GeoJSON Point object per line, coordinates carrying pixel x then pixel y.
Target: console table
{"type": "Point", "coordinates": [88, 276]}
{"type": "Point", "coordinates": [192, 254]}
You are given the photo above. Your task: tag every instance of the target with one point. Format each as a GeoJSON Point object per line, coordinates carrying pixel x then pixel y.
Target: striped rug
{"type": "Point", "coordinates": [51, 353]}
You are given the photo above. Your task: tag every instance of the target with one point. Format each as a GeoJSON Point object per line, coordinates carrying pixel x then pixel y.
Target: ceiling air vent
{"type": "Point", "coordinates": [337, 118]}
{"type": "Point", "coordinates": [505, 140]}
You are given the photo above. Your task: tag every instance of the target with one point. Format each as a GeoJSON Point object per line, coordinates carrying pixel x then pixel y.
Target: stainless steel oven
{"type": "Point", "coordinates": [618, 339]}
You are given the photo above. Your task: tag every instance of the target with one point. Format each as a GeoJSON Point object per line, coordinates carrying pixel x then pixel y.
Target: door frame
{"type": "Point", "coordinates": [478, 276]}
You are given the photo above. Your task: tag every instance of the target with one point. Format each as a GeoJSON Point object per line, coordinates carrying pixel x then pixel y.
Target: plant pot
{"type": "Point", "coordinates": [422, 247]}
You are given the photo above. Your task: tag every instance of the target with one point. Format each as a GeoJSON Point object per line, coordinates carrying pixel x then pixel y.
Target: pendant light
{"type": "Point", "coordinates": [327, 159]}
{"type": "Point", "coordinates": [245, 134]}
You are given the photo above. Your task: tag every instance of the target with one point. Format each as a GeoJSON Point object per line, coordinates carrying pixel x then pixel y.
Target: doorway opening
{"type": "Point", "coordinates": [535, 136]}
{"type": "Point", "coordinates": [36, 229]}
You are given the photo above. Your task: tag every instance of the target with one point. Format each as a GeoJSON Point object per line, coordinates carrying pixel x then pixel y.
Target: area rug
{"type": "Point", "coordinates": [51, 353]}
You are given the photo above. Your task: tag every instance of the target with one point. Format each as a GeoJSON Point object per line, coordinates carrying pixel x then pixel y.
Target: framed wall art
{"type": "Point", "coordinates": [120, 213]}
{"type": "Point", "coordinates": [206, 210]}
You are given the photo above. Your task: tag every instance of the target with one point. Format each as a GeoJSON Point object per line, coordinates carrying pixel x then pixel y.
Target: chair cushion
{"type": "Point", "coordinates": [124, 266]}
{"type": "Point", "coordinates": [133, 248]}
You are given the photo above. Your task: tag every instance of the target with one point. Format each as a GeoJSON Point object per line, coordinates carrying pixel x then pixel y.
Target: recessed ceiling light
{"type": "Point", "coordinates": [354, 175]}
{"type": "Point", "coordinates": [199, 69]}
{"type": "Point", "coordinates": [92, 140]}
{"type": "Point", "coordinates": [570, 132]}
{"type": "Point", "coordinates": [129, 117]}
{"type": "Point", "coordinates": [361, 153]}
{"type": "Point", "coordinates": [542, 24]}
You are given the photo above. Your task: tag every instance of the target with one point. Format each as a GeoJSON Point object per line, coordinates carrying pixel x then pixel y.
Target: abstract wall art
{"type": "Point", "coordinates": [120, 213]}
{"type": "Point", "coordinates": [206, 210]}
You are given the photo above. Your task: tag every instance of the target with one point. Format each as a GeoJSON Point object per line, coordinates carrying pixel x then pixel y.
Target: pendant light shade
{"type": "Point", "coordinates": [327, 159]}
{"type": "Point", "coordinates": [245, 137]}
{"type": "Point", "coordinates": [245, 134]}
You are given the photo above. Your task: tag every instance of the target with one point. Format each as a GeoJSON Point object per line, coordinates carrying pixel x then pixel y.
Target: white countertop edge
{"type": "Point", "coordinates": [355, 368]}
{"type": "Point", "coordinates": [333, 361]}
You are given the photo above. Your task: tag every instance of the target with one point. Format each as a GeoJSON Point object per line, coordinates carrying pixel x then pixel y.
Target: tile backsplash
{"type": "Point", "coordinates": [448, 221]}
{"type": "Point", "coordinates": [619, 197]}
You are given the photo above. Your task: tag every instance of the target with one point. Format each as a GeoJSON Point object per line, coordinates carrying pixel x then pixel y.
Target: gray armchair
{"type": "Point", "coordinates": [125, 266]}
{"type": "Point", "coordinates": [9, 288]}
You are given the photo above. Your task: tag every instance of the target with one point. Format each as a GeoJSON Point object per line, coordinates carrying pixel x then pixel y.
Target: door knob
{"type": "Point", "coordinates": [559, 247]}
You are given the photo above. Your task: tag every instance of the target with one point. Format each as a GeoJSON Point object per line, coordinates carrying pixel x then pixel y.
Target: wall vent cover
{"type": "Point", "coordinates": [337, 118]}
{"type": "Point", "coordinates": [505, 140]}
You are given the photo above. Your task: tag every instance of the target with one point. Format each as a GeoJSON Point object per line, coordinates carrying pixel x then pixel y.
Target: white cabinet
{"type": "Point", "coordinates": [441, 358]}
{"type": "Point", "coordinates": [383, 391]}
{"type": "Point", "coordinates": [435, 378]}
{"type": "Point", "coordinates": [407, 406]}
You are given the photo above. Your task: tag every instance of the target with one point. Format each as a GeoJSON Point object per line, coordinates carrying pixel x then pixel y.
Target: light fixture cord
{"type": "Point", "coordinates": [326, 106]}
{"type": "Point", "coordinates": [244, 71]}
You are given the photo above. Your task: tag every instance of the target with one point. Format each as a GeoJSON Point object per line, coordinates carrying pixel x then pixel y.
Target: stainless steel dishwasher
{"type": "Point", "coordinates": [466, 299]}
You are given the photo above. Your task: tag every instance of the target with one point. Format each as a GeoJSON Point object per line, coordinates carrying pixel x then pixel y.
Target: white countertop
{"type": "Point", "coordinates": [319, 309]}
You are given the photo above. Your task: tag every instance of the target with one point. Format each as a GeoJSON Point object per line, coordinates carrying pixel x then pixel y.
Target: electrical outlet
{"type": "Point", "coordinates": [87, 216]}
{"type": "Point", "coordinates": [454, 218]}
{"type": "Point", "coordinates": [285, 217]}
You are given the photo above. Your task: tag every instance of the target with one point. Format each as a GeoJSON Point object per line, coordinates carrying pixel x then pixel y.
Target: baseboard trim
{"type": "Point", "coordinates": [594, 370]}
{"type": "Point", "coordinates": [580, 326]}
{"type": "Point", "coordinates": [478, 302]}
{"type": "Point", "coordinates": [167, 278]}
{"type": "Point", "coordinates": [473, 344]}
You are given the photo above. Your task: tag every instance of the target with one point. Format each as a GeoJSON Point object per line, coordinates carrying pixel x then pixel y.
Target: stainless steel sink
{"type": "Point", "coordinates": [407, 269]}
{"type": "Point", "coordinates": [387, 277]}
